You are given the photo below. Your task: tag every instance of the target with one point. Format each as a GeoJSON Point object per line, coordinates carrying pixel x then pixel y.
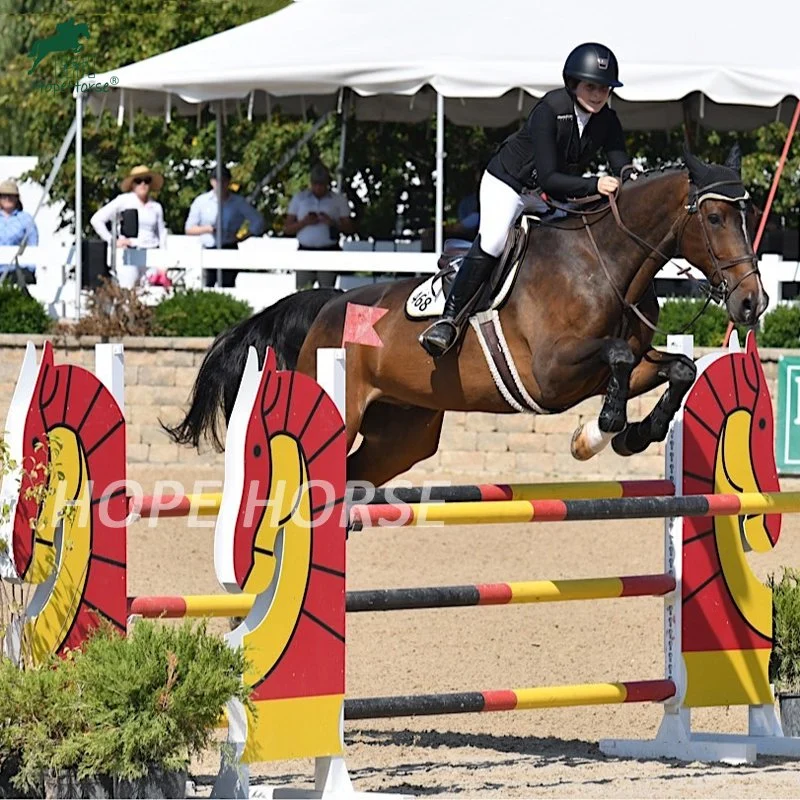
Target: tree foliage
{"type": "Point", "coordinates": [389, 168]}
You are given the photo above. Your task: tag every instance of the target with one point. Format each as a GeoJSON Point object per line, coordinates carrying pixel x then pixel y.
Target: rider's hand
{"type": "Point", "coordinates": [123, 242]}
{"type": "Point", "coordinates": [607, 185]}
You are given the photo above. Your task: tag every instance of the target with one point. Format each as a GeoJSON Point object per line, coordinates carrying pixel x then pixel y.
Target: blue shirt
{"type": "Point", "coordinates": [12, 231]}
{"type": "Point", "coordinates": [13, 227]}
{"type": "Point", "coordinates": [235, 210]}
{"type": "Point", "coordinates": [468, 214]}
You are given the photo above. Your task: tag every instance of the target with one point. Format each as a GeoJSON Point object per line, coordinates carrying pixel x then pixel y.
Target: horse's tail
{"type": "Point", "coordinates": [283, 327]}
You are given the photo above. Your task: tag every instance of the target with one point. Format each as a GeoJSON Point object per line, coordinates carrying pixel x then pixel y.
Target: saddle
{"type": "Point", "coordinates": [427, 299]}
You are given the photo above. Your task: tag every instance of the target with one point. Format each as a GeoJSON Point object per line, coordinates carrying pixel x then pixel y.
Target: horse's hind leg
{"type": "Point", "coordinates": [395, 438]}
{"type": "Point", "coordinates": [656, 367]}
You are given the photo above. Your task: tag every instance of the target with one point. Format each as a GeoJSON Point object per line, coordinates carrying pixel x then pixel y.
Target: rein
{"type": "Point", "coordinates": [720, 292]}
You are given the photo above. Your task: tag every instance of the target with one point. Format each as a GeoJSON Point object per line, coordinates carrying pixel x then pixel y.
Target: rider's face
{"type": "Point", "coordinates": [592, 96]}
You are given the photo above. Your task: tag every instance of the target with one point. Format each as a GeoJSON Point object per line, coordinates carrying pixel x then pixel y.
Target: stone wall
{"type": "Point", "coordinates": [474, 447]}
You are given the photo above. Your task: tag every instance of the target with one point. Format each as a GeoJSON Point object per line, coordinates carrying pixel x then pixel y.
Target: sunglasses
{"type": "Point", "coordinates": [8, 197]}
{"type": "Point", "coordinates": [147, 180]}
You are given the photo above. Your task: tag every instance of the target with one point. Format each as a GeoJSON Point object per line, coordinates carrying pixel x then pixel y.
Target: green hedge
{"type": "Point", "coordinates": [779, 328]}
{"type": "Point", "coordinates": [198, 313]}
{"type": "Point", "coordinates": [21, 313]}
{"type": "Point", "coordinates": [708, 330]}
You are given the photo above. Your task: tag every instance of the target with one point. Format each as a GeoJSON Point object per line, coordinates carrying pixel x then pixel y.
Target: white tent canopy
{"type": "Point", "coordinates": [489, 60]}
{"type": "Point", "coordinates": [482, 63]}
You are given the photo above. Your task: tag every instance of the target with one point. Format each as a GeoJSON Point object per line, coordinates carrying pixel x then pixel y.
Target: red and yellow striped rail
{"type": "Point", "coordinates": [586, 694]}
{"type": "Point", "coordinates": [178, 505]}
{"type": "Point", "coordinates": [701, 505]}
{"type": "Point", "coordinates": [480, 594]}
{"type": "Point", "coordinates": [207, 504]}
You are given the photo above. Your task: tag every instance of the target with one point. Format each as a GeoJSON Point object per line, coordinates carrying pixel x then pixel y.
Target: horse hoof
{"type": "Point", "coordinates": [620, 445]}
{"type": "Point", "coordinates": [577, 445]}
{"type": "Point", "coordinates": [588, 440]}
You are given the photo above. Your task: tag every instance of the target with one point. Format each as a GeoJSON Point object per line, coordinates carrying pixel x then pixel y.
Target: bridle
{"type": "Point", "coordinates": [696, 199]}
{"type": "Point", "coordinates": [717, 289]}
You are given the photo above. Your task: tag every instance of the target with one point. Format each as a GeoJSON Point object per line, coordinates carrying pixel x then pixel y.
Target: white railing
{"type": "Point", "coordinates": [267, 268]}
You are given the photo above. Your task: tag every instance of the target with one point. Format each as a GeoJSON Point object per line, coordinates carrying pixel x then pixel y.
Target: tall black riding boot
{"type": "Point", "coordinates": [474, 270]}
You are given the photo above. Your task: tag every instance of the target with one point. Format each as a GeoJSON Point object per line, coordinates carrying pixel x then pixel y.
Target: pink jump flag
{"type": "Point", "coordinates": [358, 325]}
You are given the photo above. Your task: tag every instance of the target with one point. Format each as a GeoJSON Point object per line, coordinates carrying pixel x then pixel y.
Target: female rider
{"type": "Point", "coordinates": [549, 154]}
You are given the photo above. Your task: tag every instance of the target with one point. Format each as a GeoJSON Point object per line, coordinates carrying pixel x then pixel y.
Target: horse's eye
{"type": "Point", "coordinates": [714, 219]}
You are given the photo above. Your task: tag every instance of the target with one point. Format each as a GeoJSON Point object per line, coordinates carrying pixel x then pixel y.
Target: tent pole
{"type": "Point", "coordinates": [772, 191]}
{"type": "Point", "coordinates": [78, 202]}
{"type": "Point", "coordinates": [440, 156]}
{"type": "Point", "coordinates": [218, 231]}
{"type": "Point", "coordinates": [343, 141]}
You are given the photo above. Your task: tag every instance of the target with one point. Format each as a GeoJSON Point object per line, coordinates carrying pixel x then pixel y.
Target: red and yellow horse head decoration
{"type": "Point", "coordinates": [64, 530]}
{"type": "Point", "coordinates": [727, 610]}
{"type": "Point", "coordinates": [280, 535]}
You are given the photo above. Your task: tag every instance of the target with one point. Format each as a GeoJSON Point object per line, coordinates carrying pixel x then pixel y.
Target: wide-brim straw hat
{"type": "Point", "coordinates": [141, 171]}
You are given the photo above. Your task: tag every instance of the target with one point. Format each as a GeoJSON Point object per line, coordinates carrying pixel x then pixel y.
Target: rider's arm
{"type": "Point", "coordinates": [615, 146]}
{"type": "Point", "coordinates": [542, 130]}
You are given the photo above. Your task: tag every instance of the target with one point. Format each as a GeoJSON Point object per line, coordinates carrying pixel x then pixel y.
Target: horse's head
{"type": "Point", "coordinates": [717, 237]}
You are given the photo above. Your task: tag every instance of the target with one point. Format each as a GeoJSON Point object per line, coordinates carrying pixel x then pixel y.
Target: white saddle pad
{"type": "Point", "coordinates": [426, 301]}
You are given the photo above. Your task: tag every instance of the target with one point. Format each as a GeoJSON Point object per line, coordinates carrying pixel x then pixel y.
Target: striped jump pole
{"type": "Point", "coordinates": [183, 606]}
{"type": "Point", "coordinates": [207, 504]}
{"type": "Point", "coordinates": [178, 505]}
{"type": "Point", "coordinates": [586, 694]}
{"type": "Point", "coordinates": [480, 594]}
{"type": "Point", "coordinates": [493, 492]}
{"type": "Point", "coordinates": [700, 505]}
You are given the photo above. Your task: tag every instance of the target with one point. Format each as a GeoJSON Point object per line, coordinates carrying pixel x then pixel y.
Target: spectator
{"type": "Point", "coordinates": [316, 216]}
{"type": "Point", "coordinates": [202, 221]}
{"type": "Point", "coordinates": [136, 188]}
{"type": "Point", "coordinates": [16, 227]}
{"type": "Point", "coordinates": [468, 219]}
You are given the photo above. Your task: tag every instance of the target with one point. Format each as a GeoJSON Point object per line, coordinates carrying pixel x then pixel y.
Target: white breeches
{"type": "Point", "coordinates": [500, 206]}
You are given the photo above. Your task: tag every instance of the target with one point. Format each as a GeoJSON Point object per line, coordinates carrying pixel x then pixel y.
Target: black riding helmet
{"type": "Point", "coordinates": [594, 63]}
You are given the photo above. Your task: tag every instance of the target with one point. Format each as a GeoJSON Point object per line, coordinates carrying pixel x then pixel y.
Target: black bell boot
{"type": "Point", "coordinates": [474, 270]}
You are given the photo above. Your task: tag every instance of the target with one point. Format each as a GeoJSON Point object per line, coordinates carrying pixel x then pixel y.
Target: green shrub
{"type": "Point", "coordinates": [197, 313]}
{"type": "Point", "coordinates": [708, 330]}
{"type": "Point", "coordinates": [45, 719]}
{"type": "Point", "coordinates": [21, 313]}
{"type": "Point", "coordinates": [120, 706]}
{"type": "Point", "coordinates": [781, 328]}
{"type": "Point", "coordinates": [154, 698]}
{"type": "Point", "coordinates": [784, 663]}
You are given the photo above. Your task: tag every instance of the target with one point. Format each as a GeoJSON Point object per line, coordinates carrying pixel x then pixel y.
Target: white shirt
{"type": "Point", "coordinates": [582, 117]}
{"type": "Point", "coordinates": [152, 231]}
{"type": "Point", "coordinates": [333, 204]}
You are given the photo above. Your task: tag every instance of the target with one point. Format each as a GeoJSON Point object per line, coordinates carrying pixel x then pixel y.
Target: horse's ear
{"type": "Point", "coordinates": [734, 159]}
{"type": "Point", "coordinates": [697, 169]}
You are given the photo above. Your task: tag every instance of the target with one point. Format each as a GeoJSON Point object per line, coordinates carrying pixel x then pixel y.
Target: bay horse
{"type": "Point", "coordinates": [578, 324]}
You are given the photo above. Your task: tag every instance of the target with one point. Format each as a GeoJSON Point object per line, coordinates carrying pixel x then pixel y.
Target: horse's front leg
{"type": "Point", "coordinates": [591, 438]}
{"type": "Point", "coordinates": [656, 367]}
